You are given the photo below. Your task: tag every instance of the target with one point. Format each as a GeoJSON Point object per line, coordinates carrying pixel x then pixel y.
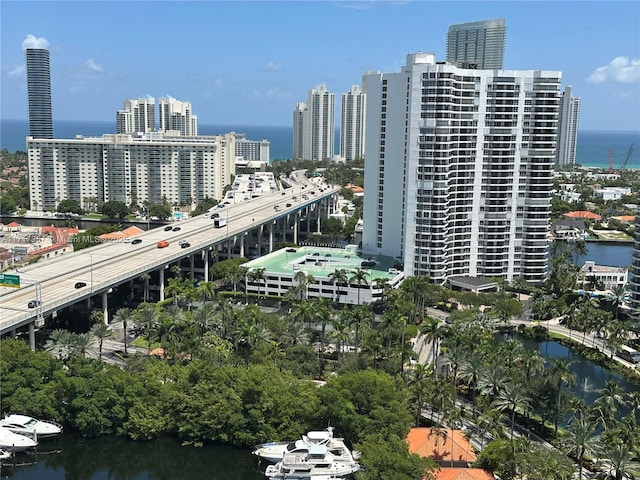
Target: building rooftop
{"type": "Point", "coordinates": [323, 261]}
{"type": "Point", "coordinates": [449, 445]}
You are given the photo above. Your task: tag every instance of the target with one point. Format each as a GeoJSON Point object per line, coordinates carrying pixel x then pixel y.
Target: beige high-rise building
{"type": "Point", "coordinates": [137, 116]}
{"type": "Point", "coordinates": [314, 126]}
{"type": "Point", "coordinates": [129, 168]}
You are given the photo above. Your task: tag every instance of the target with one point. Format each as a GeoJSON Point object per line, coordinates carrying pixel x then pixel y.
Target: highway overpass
{"type": "Point", "coordinates": [52, 281]}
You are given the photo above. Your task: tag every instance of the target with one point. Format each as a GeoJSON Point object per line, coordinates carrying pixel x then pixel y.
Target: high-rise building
{"type": "Point", "coordinates": [459, 168]}
{"type": "Point", "coordinates": [137, 116]}
{"type": "Point", "coordinates": [177, 115]}
{"type": "Point", "coordinates": [252, 150]}
{"type": "Point", "coordinates": [352, 124]}
{"type": "Point", "coordinates": [124, 168]}
{"type": "Point", "coordinates": [477, 44]}
{"type": "Point", "coordinates": [634, 275]}
{"type": "Point", "coordinates": [314, 126]}
{"type": "Point", "coordinates": [298, 130]}
{"type": "Point", "coordinates": [39, 92]}
{"type": "Point", "coordinates": [568, 128]}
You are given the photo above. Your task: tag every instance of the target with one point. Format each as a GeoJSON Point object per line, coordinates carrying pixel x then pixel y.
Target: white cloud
{"type": "Point", "coordinates": [92, 65]}
{"type": "Point", "coordinates": [621, 69]}
{"type": "Point", "coordinates": [273, 66]}
{"type": "Point", "coordinates": [16, 71]}
{"type": "Point", "coordinates": [32, 42]}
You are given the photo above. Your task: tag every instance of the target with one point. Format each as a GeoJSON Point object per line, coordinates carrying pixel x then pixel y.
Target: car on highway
{"type": "Point", "coordinates": [288, 205]}
{"type": "Point", "coordinates": [136, 241]}
{"type": "Point", "coordinates": [168, 228]}
{"type": "Point", "coordinates": [163, 244]}
{"type": "Point", "coordinates": [176, 229]}
{"type": "Point", "coordinates": [34, 303]}
{"type": "Point", "coordinates": [80, 284]}
{"type": "Point", "coordinates": [283, 193]}
{"type": "Point", "coordinates": [214, 215]}
{"type": "Point", "coordinates": [184, 244]}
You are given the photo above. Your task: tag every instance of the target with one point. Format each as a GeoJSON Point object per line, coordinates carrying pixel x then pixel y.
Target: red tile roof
{"type": "Point", "coordinates": [450, 445]}
{"type": "Point", "coordinates": [464, 474]}
{"type": "Point", "coordinates": [583, 214]}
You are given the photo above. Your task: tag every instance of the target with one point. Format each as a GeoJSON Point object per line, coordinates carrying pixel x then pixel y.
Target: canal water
{"type": "Point", "coordinates": [113, 458]}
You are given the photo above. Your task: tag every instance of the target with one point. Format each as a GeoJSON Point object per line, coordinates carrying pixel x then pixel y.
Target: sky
{"type": "Point", "coordinates": [248, 63]}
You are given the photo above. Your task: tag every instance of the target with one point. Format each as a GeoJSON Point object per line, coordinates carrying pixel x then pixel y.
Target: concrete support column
{"type": "Point", "coordinates": [32, 335]}
{"type": "Point", "coordinates": [205, 257]}
{"type": "Point", "coordinates": [308, 221]}
{"type": "Point", "coordinates": [271, 237]}
{"type": "Point", "coordinates": [192, 266]}
{"type": "Point", "coordinates": [260, 235]}
{"type": "Point", "coordinates": [13, 333]}
{"type": "Point", "coordinates": [285, 226]}
{"type": "Point", "coordinates": [296, 220]}
{"type": "Point", "coordinates": [130, 289]}
{"type": "Point", "coordinates": [105, 308]}
{"type": "Point", "coordinates": [242, 242]}
{"type": "Point", "coordinates": [318, 221]}
{"type": "Point", "coordinates": [228, 248]}
{"type": "Point", "coordinates": [161, 281]}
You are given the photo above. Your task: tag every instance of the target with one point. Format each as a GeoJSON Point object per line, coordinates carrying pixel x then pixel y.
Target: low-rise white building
{"type": "Point", "coordinates": [290, 268]}
{"type": "Point", "coordinates": [610, 277]}
{"type": "Point", "coordinates": [611, 193]}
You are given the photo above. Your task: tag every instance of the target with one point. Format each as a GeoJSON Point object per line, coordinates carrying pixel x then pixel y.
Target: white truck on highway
{"type": "Point", "coordinates": [219, 222]}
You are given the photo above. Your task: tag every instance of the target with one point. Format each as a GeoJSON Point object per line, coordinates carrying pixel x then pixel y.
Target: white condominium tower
{"type": "Point", "coordinates": [568, 128]}
{"type": "Point", "coordinates": [125, 168]}
{"type": "Point", "coordinates": [477, 44]}
{"type": "Point", "coordinates": [137, 116]}
{"type": "Point", "coordinates": [313, 126]}
{"type": "Point", "coordinates": [459, 167]}
{"type": "Point", "coordinates": [178, 116]}
{"type": "Point", "coordinates": [352, 126]}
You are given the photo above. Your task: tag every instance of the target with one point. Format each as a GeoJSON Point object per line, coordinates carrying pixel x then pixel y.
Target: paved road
{"type": "Point", "coordinates": [113, 263]}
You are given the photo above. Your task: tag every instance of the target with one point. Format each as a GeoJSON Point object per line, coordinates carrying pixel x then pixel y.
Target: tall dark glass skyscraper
{"type": "Point", "coordinates": [477, 44]}
{"type": "Point", "coordinates": [39, 93]}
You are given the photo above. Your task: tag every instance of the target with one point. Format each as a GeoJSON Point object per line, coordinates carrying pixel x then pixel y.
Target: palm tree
{"type": "Point", "coordinates": [303, 312]}
{"type": "Point", "coordinates": [359, 277]}
{"type": "Point", "coordinates": [295, 334]}
{"type": "Point", "coordinates": [512, 397]}
{"type": "Point", "coordinates": [357, 317]}
{"type": "Point", "coordinates": [82, 343]}
{"type": "Point", "coordinates": [432, 332]}
{"type": "Point", "coordinates": [619, 461]}
{"type": "Point", "coordinates": [60, 343]}
{"type": "Point", "coordinates": [175, 288]}
{"type": "Point", "coordinates": [338, 277]}
{"type": "Point", "coordinates": [303, 280]}
{"type": "Point", "coordinates": [145, 277]}
{"type": "Point", "coordinates": [204, 317]}
{"type": "Point", "coordinates": [616, 296]}
{"type": "Point", "coordinates": [341, 333]}
{"type": "Point", "coordinates": [609, 403]}
{"type": "Point", "coordinates": [580, 439]}
{"type": "Point", "coordinates": [256, 275]}
{"type": "Point", "coordinates": [125, 317]}
{"type": "Point", "coordinates": [234, 275]}
{"type": "Point", "coordinates": [419, 386]}
{"type": "Point", "coordinates": [146, 318]}
{"type": "Point", "coordinates": [100, 331]}
{"type": "Point", "coordinates": [559, 374]}
{"type": "Point", "coordinates": [207, 291]}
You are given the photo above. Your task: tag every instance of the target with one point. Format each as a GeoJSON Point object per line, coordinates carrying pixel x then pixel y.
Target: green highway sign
{"type": "Point", "coordinates": [7, 280]}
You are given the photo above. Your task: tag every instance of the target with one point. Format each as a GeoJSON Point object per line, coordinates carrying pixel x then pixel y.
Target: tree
{"type": "Point", "coordinates": [339, 277]}
{"type": "Point", "coordinates": [359, 278]}
{"type": "Point", "coordinates": [619, 461]}
{"type": "Point", "coordinates": [580, 439]}
{"type": "Point", "coordinates": [70, 206]}
{"type": "Point", "coordinates": [145, 277]}
{"type": "Point", "coordinates": [257, 275]}
{"type": "Point", "coordinates": [616, 296]}
{"type": "Point", "coordinates": [114, 209]}
{"type": "Point", "coordinates": [124, 316]}
{"type": "Point", "coordinates": [100, 331]}
{"type": "Point", "coordinates": [160, 210]}
{"type": "Point", "coordinates": [332, 226]}
{"type": "Point", "coordinates": [559, 374]}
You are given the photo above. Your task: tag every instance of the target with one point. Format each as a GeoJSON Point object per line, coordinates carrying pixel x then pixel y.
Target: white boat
{"type": "Point", "coordinates": [4, 455]}
{"type": "Point", "coordinates": [25, 425]}
{"type": "Point", "coordinates": [14, 442]}
{"type": "Point", "coordinates": [316, 464]}
{"type": "Point", "coordinates": [275, 451]}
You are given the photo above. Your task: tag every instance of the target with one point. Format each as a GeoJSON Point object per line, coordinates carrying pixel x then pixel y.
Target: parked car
{"type": "Point", "coordinates": [80, 284]}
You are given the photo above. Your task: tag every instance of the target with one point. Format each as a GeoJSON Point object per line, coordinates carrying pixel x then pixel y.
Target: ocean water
{"type": "Point", "coordinates": [593, 146]}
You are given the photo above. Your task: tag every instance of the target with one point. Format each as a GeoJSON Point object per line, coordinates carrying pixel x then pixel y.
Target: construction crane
{"type": "Point", "coordinates": [624, 164]}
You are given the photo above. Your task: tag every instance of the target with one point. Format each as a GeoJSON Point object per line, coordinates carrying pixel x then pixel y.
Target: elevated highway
{"type": "Point", "coordinates": [52, 282]}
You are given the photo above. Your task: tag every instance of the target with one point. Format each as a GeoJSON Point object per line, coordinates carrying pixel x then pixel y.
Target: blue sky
{"type": "Point", "coordinates": [248, 63]}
